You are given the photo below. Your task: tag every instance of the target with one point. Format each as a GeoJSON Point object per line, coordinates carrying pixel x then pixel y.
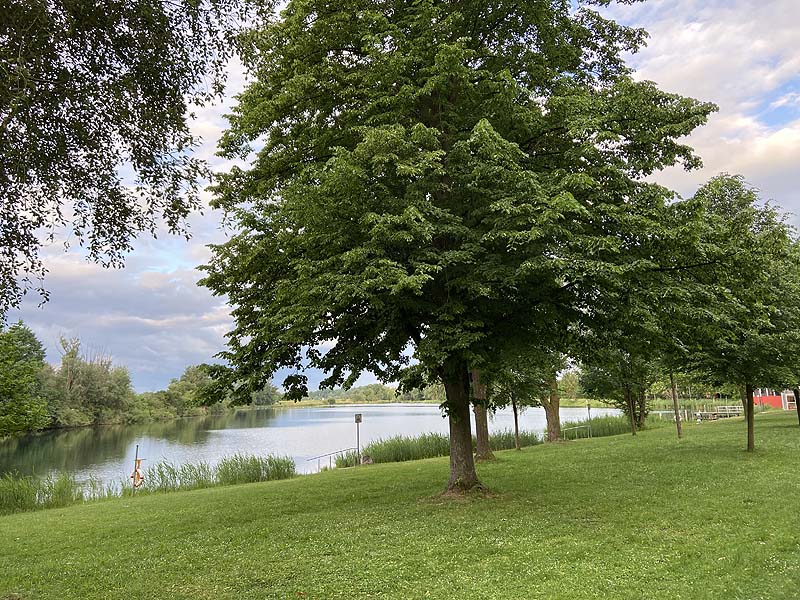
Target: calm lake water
{"type": "Point", "coordinates": [106, 453]}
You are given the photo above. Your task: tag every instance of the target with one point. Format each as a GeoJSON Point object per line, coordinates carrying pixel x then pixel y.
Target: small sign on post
{"type": "Point", "coordinates": [358, 437]}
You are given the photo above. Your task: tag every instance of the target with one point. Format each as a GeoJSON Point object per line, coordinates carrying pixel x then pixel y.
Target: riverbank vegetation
{"type": "Point", "coordinates": [428, 445]}
{"type": "Point", "coordinates": [718, 523]}
{"type": "Point", "coordinates": [28, 493]}
{"type": "Point", "coordinates": [87, 388]}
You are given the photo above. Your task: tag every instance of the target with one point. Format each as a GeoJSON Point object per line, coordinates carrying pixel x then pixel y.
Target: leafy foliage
{"type": "Point", "coordinates": [434, 175]}
{"type": "Point", "coordinates": [22, 407]}
{"type": "Point", "coordinates": [752, 313]}
{"type": "Point", "coordinates": [94, 122]}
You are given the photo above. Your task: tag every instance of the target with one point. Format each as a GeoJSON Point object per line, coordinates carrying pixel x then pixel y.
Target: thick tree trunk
{"type": "Point", "coordinates": [552, 406]}
{"type": "Point", "coordinates": [749, 413]}
{"type": "Point", "coordinates": [675, 404]}
{"type": "Point", "coordinates": [462, 466]}
{"type": "Point", "coordinates": [796, 393]}
{"type": "Point", "coordinates": [641, 415]}
{"type": "Point", "coordinates": [516, 423]}
{"type": "Point", "coordinates": [631, 409]}
{"type": "Point", "coordinates": [483, 450]}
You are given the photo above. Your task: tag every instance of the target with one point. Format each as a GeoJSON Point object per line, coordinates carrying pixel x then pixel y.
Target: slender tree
{"type": "Point", "coordinates": [752, 310]}
{"type": "Point", "coordinates": [435, 178]}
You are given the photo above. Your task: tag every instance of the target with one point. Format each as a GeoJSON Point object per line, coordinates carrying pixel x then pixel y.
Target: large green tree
{"type": "Point", "coordinates": [95, 101]}
{"type": "Point", "coordinates": [22, 407]}
{"type": "Point", "coordinates": [430, 183]}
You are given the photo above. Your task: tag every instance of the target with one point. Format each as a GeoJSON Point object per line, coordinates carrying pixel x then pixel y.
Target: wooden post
{"type": "Point", "coordinates": [135, 465]}
{"type": "Point", "coordinates": [675, 404]}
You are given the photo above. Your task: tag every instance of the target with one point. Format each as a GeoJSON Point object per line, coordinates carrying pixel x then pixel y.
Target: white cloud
{"type": "Point", "coordinates": [791, 99]}
{"type": "Point", "coordinates": [738, 54]}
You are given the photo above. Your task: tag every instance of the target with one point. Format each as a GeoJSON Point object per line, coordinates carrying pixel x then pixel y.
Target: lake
{"type": "Point", "coordinates": [106, 453]}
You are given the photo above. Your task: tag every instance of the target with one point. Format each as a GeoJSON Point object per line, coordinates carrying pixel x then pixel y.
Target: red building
{"type": "Point", "coordinates": [766, 397]}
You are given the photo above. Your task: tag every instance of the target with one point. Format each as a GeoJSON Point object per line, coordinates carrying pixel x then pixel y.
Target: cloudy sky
{"type": "Point", "coordinates": [740, 54]}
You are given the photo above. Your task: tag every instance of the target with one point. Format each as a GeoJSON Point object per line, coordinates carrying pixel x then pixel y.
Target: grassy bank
{"type": "Point", "coordinates": [617, 517]}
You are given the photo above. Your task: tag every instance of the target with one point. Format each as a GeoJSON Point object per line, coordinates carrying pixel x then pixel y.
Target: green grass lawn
{"type": "Point", "coordinates": [621, 517]}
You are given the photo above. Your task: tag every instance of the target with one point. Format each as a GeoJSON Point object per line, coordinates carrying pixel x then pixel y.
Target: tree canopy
{"type": "Point", "coordinates": [95, 101]}
{"type": "Point", "coordinates": [22, 407]}
{"type": "Point", "coordinates": [436, 181]}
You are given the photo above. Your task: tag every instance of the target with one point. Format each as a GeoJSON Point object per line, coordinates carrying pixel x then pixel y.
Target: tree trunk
{"type": "Point", "coordinates": [631, 409]}
{"type": "Point", "coordinates": [516, 423]}
{"type": "Point", "coordinates": [796, 393]}
{"type": "Point", "coordinates": [675, 404]}
{"type": "Point", "coordinates": [552, 405]}
{"type": "Point", "coordinates": [483, 450]}
{"type": "Point", "coordinates": [462, 466]}
{"type": "Point", "coordinates": [641, 416]}
{"type": "Point", "coordinates": [751, 437]}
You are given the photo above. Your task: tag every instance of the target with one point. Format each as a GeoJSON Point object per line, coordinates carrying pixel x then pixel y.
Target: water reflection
{"type": "Point", "coordinates": [106, 453]}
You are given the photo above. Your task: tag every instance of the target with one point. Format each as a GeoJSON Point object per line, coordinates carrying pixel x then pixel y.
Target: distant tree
{"type": "Point", "coordinates": [95, 104]}
{"type": "Point", "coordinates": [569, 384]}
{"type": "Point", "coordinates": [622, 379]}
{"type": "Point", "coordinates": [266, 396]}
{"type": "Point", "coordinates": [87, 388]}
{"type": "Point", "coordinates": [440, 179]}
{"type": "Point", "coordinates": [194, 389]}
{"type": "Point", "coordinates": [21, 360]}
{"type": "Point", "coordinates": [517, 386]}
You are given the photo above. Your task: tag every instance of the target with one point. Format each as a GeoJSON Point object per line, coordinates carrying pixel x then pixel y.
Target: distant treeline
{"type": "Point", "coordinates": [375, 392]}
{"type": "Point", "coordinates": [88, 389]}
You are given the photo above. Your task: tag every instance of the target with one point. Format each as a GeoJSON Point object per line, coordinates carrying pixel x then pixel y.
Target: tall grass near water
{"type": "Point", "coordinates": [429, 445]}
{"type": "Point", "coordinates": [19, 494]}
{"type": "Point", "coordinates": [600, 427]}
{"type": "Point", "coordinates": [25, 493]}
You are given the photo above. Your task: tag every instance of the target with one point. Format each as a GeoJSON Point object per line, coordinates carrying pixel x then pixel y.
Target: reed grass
{"type": "Point", "coordinates": [428, 445]}
{"type": "Point", "coordinates": [251, 469]}
{"type": "Point", "coordinates": [606, 426]}
{"type": "Point", "coordinates": [18, 493]}
{"type": "Point", "coordinates": [504, 440]}
{"type": "Point", "coordinates": [26, 493]}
